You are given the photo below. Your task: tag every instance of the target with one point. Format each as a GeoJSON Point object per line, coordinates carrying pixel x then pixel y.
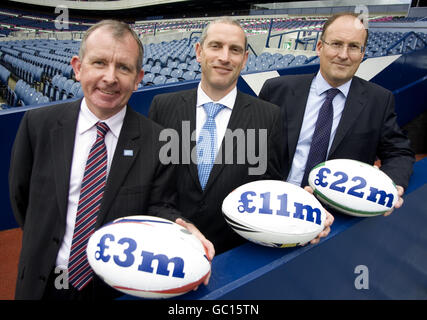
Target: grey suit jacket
{"type": "Point", "coordinates": [203, 207]}
{"type": "Point", "coordinates": [367, 130]}
{"type": "Point", "coordinates": [39, 181]}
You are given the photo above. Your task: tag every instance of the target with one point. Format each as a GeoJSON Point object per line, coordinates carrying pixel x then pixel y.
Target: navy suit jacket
{"type": "Point", "coordinates": [367, 130]}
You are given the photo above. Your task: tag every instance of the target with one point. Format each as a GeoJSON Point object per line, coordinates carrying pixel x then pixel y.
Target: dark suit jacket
{"type": "Point", "coordinates": [39, 181]}
{"type": "Point", "coordinates": [367, 129]}
{"type": "Point", "coordinates": [203, 208]}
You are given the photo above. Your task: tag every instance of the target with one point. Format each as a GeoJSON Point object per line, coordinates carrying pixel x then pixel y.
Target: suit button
{"type": "Point", "coordinates": [56, 240]}
{"type": "Point", "coordinates": [42, 278]}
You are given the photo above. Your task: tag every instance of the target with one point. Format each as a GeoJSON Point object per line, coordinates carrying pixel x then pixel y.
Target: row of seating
{"type": "Point", "coordinates": [4, 75]}
{"type": "Point", "coordinates": [28, 95]}
{"type": "Point", "coordinates": [24, 70]}
{"type": "Point", "coordinates": [62, 88]}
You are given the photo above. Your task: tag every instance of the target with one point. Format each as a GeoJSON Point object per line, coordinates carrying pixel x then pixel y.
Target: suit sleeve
{"type": "Point", "coordinates": [20, 172]}
{"type": "Point", "coordinates": [264, 93]}
{"type": "Point", "coordinates": [394, 151]}
{"type": "Point", "coordinates": [275, 149]}
{"type": "Point", "coordinates": [153, 112]}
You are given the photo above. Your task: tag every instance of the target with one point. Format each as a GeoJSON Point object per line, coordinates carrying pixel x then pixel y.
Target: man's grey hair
{"type": "Point", "coordinates": [118, 30]}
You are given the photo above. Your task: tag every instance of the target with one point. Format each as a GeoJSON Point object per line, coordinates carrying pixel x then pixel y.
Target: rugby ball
{"type": "Point", "coordinates": [148, 257]}
{"type": "Point", "coordinates": [274, 213]}
{"type": "Point", "coordinates": [353, 187]}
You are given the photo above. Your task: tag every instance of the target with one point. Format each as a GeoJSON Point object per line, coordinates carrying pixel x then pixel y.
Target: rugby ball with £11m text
{"type": "Point", "coordinates": [274, 213]}
{"type": "Point", "coordinates": [148, 257]}
{"type": "Point", "coordinates": [353, 187]}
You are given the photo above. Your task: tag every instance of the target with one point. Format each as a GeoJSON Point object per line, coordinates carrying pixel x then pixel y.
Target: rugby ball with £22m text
{"type": "Point", "coordinates": [353, 187]}
{"type": "Point", "coordinates": [148, 257]}
{"type": "Point", "coordinates": [274, 213]}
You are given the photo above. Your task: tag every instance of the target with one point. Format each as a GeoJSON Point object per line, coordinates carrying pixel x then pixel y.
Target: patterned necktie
{"type": "Point", "coordinates": [322, 132]}
{"type": "Point", "coordinates": [92, 190]}
{"type": "Point", "coordinates": [206, 144]}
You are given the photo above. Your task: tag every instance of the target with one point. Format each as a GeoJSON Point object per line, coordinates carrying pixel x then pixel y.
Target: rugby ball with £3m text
{"type": "Point", "coordinates": [274, 213]}
{"type": "Point", "coordinates": [353, 187]}
{"type": "Point", "coordinates": [148, 257]}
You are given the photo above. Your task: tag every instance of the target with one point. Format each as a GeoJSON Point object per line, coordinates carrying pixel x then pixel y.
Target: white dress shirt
{"type": "Point", "coordinates": [85, 138]}
{"type": "Point", "coordinates": [315, 100]}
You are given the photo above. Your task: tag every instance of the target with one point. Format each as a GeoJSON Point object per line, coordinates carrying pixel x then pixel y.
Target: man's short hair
{"type": "Point", "coordinates": [342, 14]}
{"type": "Point", "coordinates": [227, 20]}
{"type": "Point", "coordinates": [118, 30]}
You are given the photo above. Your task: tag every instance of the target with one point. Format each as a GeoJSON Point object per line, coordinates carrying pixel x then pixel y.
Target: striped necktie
{"type": "Point", "coordinates": [206, 144]}
{"type": "Point", "coordinates": [322, 132]}
{"type": "Point", "coordinates": [92, 190]}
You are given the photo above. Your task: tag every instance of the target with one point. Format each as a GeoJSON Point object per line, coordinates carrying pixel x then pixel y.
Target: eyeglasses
{"type": "Point", "coordinates": [353, 48]}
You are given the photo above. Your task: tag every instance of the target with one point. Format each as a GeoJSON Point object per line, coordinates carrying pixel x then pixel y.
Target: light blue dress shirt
{"type": "Point", "coordinates": [315, 100]}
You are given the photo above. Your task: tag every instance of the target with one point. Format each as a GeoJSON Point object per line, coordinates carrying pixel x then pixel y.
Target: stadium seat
{"type": "Point", "coordinates": [66, 89]}
{"type": "Point", "coordinates": [176, 73]}
{"type": "Point", "coordinates": [159, 80]}
{"type": "Point", "coordinates": [172, 80]}
{"type": "Point", "coordinates": [166, 72]}
{"type": "Point", "coordinates": [148, 79]}
{"type": "Point", "coordinates": [189, 75]}
{"type": "Point", "coordinates": [74, 90]}
{"type": "Point", "coordinates": [156, 70]}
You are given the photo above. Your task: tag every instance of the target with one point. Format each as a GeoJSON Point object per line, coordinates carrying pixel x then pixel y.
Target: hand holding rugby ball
{"type": "Point", "coordinates": [274, 213]}
{"type": "Point", "coordinates": [148, 257]}
{"type": "Point", "coordinates": [353, 187]}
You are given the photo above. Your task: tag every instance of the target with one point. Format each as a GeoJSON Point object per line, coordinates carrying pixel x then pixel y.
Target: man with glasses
{"type": "Point", "coordinates": [334, 114]}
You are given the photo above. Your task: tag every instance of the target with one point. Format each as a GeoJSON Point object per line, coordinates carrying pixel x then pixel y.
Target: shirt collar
{"type": "Point", "coordinates": [321, 85]}
{"type": "Point", "coordinates": [228, 100]}
{"type": "Point", "coordinates": [88, 120]}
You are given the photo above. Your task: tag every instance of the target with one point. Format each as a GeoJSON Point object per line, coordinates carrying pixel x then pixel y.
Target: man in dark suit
{"type": "Point", "coordinates": [49, 161]}
{"type": "Point", "coordinates": [222, 54]}
{"type": "Point", "coordinates": [364, 122]}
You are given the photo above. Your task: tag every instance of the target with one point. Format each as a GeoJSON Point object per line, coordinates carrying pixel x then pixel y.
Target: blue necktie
{"type": "Point", "coordinates": [322, 132]}
{"type": "Point", "coordinates": [206, 144]}
{"type": "Point", "coordinates": [92, 190]}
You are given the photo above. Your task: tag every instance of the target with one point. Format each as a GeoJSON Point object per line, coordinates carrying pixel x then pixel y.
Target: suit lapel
{"type": "Point", "coordinates": [62, 138]}
{"type": "Point", "coordinates": [294, 113]}
{"type": "Point", "coordinates": [240, 118]}
{"type": "Point", "coordinates": [121, 164]}
{"type": "Point", "coordinates": [187, 112]}
{"type": "Point", "coordinates": [355, 103]}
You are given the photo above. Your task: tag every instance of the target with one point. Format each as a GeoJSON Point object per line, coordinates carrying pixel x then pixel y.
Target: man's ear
{"type": "Point", "coordinates": [76, 64]}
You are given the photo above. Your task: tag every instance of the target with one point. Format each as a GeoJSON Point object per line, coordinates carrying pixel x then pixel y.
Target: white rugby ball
{"type": "Point", "coordinates": [274, 213]}
{"type": "Point", "coordinates": [148, 257]}
{"type": "Point", "coordinates": [353, 187]}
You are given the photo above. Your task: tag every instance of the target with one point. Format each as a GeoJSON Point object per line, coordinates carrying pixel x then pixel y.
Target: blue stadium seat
{"type": "Point", "coordinates": [166, 71]}
{"type": "Point", "coordinates": [159, 80]}
{"type": "Point", "coordinates": [74, 90]}
{"type": "Point", "coordinates": [148, 79]}
{"type": "Point", "coordinates": [189, 75]}
{"type": "Point", "coordinates": [176, 73]}
{"type": "Point", "coordinates": [172, 80]}
{"type": "Point", "coordinates": [66, 89]}
{"type": "Point", "coordinates": [156, 70]}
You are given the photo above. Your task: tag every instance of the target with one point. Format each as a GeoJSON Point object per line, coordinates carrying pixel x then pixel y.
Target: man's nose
{"type": "Point", "coordinates": [110, 74]}
{"type": "Point", "coordinates": [224, 55]}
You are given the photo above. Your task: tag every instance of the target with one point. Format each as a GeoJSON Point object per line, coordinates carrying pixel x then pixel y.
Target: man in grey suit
{"type": "Point", "coordinates": [364, 124]}
{"type": "Point", "coordinates": [49, 159]}
{"type": "Point", "coordinates": [222, 54]}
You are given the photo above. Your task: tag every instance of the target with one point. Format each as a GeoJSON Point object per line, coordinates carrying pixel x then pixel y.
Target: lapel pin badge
{"type": "Point", "coordinates": [128, 153]}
